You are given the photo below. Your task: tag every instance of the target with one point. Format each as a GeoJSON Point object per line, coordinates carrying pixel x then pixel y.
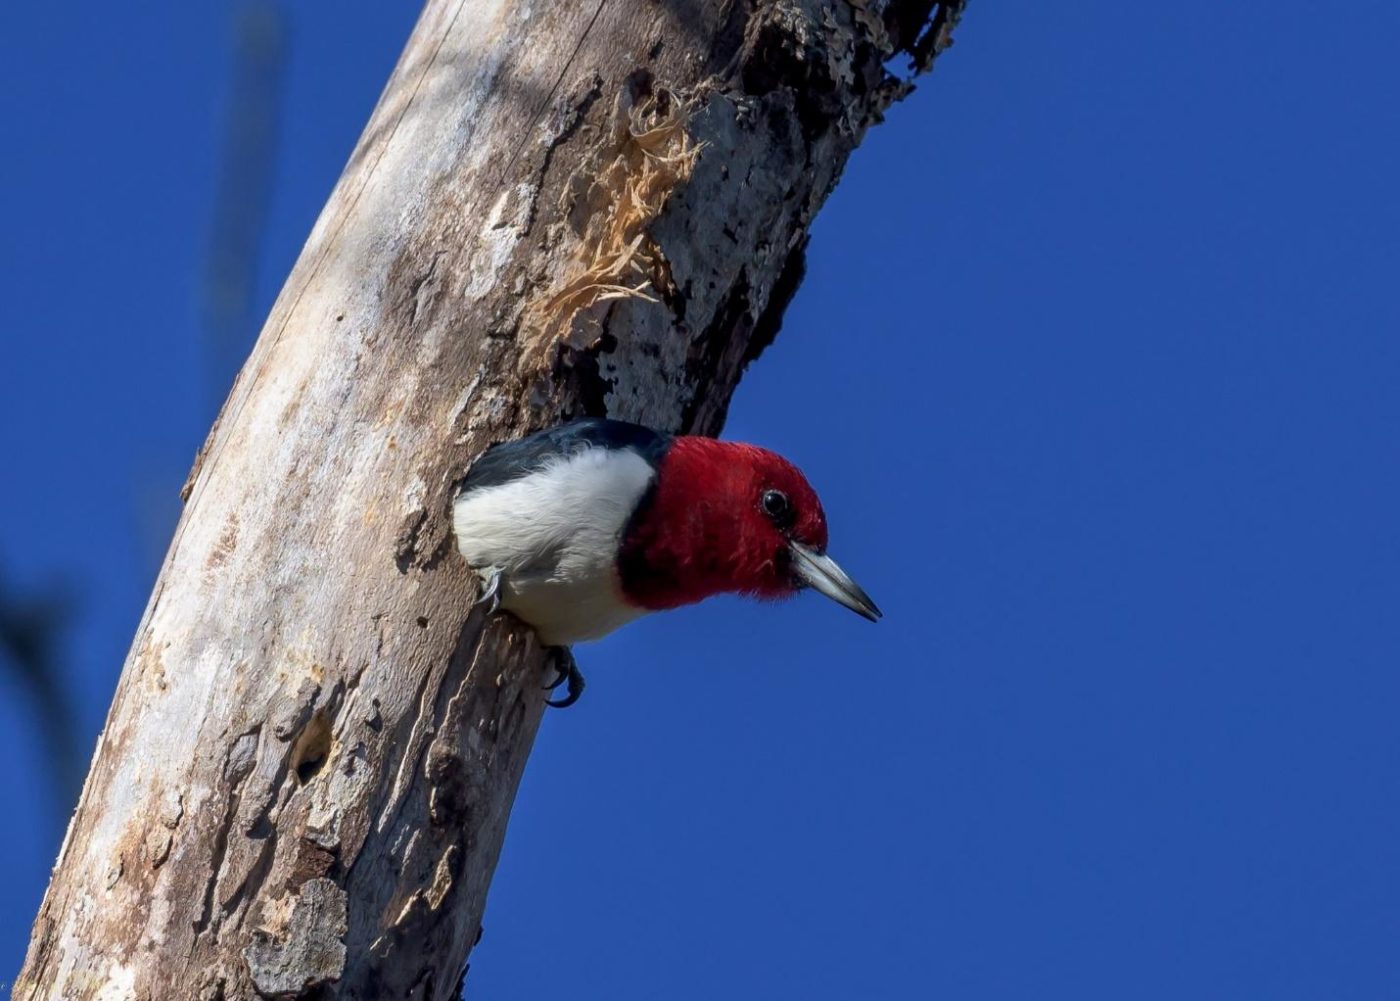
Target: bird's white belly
{"type": "Point", "coordinates": [554, 535]}
{"type": "Point", "coordinates": [567, 611]}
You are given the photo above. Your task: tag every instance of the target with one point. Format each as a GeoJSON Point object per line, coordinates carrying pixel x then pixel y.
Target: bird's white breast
{"type": "Point", "coordinates": [554, 534]}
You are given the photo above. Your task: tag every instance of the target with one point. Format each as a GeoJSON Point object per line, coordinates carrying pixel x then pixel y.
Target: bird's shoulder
{"type": "Point", "coordinates": [511, 460]}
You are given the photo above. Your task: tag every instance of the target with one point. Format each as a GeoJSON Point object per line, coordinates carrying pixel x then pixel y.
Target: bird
{"type": "Point", "coordinates": [581, 528]}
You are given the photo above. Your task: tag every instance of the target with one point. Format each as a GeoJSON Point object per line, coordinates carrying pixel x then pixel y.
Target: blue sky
{"type": "Point", "coordinates": [1095, 368]}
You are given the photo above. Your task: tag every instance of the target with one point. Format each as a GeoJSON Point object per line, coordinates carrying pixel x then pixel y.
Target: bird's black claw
{"type": "Point", "coordinates": [561, 661]}
{"type": "Point", "coordinates": [491, 591]}
{"type": "Point", "coordinates": [575, 690]}
{"type": "Point", "coordinates": [567, 669]}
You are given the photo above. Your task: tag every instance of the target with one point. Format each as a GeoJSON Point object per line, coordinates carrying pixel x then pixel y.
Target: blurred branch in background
{"type": "Point", "coordinates": [29, 649]}
{"type": "Point", "coordinates": [31, 628]}
{"type": "Point", "coordinates": [229, 295]}
{"type": "Point", "coordinates": [229, 310]}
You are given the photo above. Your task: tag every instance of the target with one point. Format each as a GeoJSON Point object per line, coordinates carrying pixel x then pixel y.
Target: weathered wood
{"type": "Point", "coordinates": [556, 209]}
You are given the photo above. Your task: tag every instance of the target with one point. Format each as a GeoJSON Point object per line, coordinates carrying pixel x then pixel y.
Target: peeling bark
{"type": "Point", "coordinates": [595, 208]}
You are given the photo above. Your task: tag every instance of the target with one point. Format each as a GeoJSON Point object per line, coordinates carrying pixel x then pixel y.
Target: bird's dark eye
{"type": "Point", "coordinates": [777, 507]}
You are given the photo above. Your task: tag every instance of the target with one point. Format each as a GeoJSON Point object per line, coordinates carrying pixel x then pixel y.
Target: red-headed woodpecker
{"type": "Point", "coordinates": [581, 528]}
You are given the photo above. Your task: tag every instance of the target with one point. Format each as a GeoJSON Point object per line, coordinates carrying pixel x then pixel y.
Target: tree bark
{"type": "Point", "coordinates": [555, 210]}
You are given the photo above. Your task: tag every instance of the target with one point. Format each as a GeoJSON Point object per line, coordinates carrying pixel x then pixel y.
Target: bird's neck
{"type": "Point", "coordinates": [688, 538]}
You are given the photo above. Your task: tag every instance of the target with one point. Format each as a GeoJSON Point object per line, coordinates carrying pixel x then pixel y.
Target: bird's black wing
{"type": "Point", "coordinates": [513, 459]}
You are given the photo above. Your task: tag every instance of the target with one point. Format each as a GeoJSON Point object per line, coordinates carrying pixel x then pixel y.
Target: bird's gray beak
{"type": "Point", "coordinates": [820, 572]}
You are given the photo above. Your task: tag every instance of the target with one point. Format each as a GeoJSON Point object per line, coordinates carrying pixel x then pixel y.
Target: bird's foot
{"type": "Point", "coordinates": [566, 669]}
{"type": "Point", "coordinates": [490, 589]}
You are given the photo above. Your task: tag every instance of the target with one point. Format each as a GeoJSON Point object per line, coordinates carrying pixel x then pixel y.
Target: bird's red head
{"type": "Point", "coordinates": [727, 517]}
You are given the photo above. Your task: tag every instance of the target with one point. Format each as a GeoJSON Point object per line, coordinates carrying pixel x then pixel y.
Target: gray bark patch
{"type": "Point", "coordinates": [311, 954]}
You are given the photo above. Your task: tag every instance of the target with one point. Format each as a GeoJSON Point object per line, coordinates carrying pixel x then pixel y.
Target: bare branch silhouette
{"type": "Point", "coordinates": [245, 188]}
{"type": "Point", "coordinates": [30, 630]}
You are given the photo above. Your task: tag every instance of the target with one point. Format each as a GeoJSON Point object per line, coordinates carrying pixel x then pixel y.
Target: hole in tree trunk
{"type": "Point", "coordinates": [313, 748]}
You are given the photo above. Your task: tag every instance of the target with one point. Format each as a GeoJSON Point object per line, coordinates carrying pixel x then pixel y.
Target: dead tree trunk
{"type": "Point", "coordinates": [556, 209]}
